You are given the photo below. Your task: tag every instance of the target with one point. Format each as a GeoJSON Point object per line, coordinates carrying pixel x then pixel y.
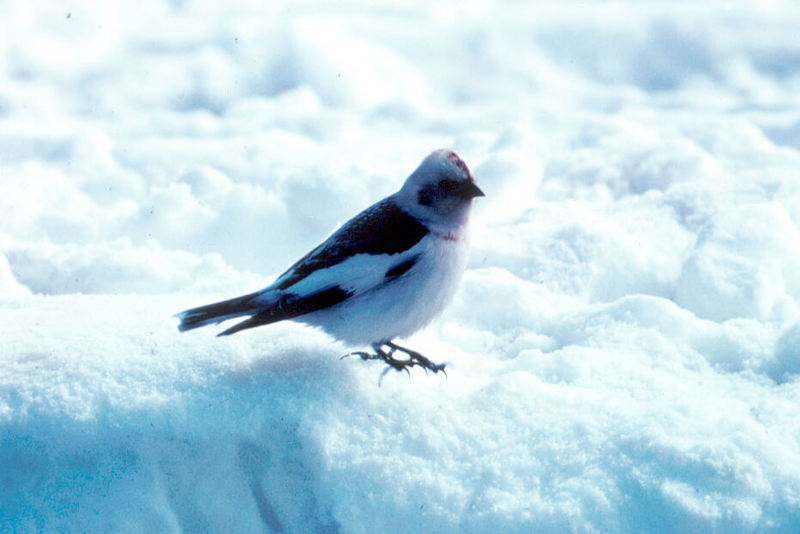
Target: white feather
{"type": "Point", "coordinates": [399, 307]}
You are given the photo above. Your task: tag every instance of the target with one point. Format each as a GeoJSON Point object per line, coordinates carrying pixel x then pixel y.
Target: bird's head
{"type": "Point", "coordinates": [440, 191]}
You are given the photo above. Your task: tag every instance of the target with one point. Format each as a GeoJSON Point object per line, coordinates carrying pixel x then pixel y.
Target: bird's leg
{"type": "Point", "coordinates": [380, 354]}
{"type": "Point", "coordinates": [414, 359]}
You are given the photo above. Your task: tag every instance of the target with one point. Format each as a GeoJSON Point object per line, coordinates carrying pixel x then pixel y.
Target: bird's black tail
{"type": "Point", "coordinates": [282, 306]}
{"type": "Point", "coordinates": [218, 312]}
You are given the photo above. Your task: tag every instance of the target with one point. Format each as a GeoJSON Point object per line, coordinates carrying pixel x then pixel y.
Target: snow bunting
{"type": "Point", "coordinates": [385, 274]}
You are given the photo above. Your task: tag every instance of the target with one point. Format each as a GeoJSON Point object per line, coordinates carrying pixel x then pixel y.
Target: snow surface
{"type": "Point", "coordinates": [624, 352]}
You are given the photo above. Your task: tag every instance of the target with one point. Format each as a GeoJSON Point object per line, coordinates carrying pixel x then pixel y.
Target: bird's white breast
{"type": "Point", "coordinates": [398, 308]}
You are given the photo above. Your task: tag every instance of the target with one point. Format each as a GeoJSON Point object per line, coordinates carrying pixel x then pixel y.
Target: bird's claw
{"type": "Point", "coordinates": [361, 354]}
{"type": "Point", "coordinates": [415, 359]}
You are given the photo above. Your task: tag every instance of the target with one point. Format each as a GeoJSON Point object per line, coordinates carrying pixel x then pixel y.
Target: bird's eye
{"type": "Point", "coordinates": [447, 185]}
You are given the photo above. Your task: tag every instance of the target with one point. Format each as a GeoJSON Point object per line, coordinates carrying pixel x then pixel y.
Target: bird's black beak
{"type": "Point", "coordinates": [469, 189]}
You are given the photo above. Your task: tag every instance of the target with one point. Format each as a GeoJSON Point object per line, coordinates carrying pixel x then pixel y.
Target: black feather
{"type": "Point", "coordinates": [217, 312]}
{"type": "Point", "coordinates": [401, 268]}
{"type": "Point", "coordinates": [382, 229]}
{"type": "Point", "coordinates": [290, 306]}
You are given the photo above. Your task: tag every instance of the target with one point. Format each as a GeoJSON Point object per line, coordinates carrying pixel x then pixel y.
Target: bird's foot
{"type": "Point", "coordinates": [415, 359]}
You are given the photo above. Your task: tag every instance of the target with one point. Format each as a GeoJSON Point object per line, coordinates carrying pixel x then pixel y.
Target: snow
{"type": "Point", "coordinates": [623, 353]}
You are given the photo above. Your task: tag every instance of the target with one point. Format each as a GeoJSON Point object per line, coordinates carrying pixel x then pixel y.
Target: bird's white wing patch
{"type": "Point", "coordinates": [381, 230]}
{"type": "Point", "coordinates": [356, 274]}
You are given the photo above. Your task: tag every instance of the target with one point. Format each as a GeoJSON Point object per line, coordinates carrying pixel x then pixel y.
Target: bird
{"type": "Point", "coordinates": [384, 274]}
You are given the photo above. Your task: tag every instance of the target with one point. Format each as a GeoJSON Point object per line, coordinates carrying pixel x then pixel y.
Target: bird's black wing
{"type": "Point", "coordinates": [290, 306]}
{"type": "Point", "coordinates": [383, 228]}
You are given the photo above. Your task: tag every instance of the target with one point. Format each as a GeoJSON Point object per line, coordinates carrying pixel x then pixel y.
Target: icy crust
{"type": "Point", "coordinates": [112, 422]}
{"type": "Point", "coordinates": [623, 417]}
